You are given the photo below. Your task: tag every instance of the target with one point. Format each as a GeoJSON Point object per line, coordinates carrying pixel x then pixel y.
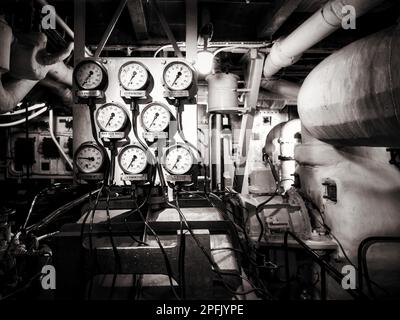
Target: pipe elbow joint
{"type": "Point", "coordinates": [277, 59]}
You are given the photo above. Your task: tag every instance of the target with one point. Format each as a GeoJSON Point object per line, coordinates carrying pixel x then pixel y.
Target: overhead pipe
{"type": "Point", "coordinates": [285, 89]}
{"type": "Point", "coordinates": [319, 26]}
{"type": "Point", "coordinates": [276, 94]}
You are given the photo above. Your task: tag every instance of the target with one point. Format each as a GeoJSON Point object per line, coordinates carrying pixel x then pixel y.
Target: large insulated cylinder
{"type": "Point", "coordinates": [222, 93]}
{"type": "Point", "coordinates": [353, 97]}
{"type": "Point", "coordinates": [6, 38]}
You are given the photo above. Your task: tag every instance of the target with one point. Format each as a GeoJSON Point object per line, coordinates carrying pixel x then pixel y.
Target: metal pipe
{"type": "Point", "coordinates": [110, 28]}
{"type": "Point", "coordinates": [64, 26]}
{"type": "Point", "coordinates": [319, 26]}
{"type": "Point", "coordinates": [290, 136]}
{"type": "Point", "coordinates": [335, 274]}
{"type": "Point", "coordinates": [286, 89]}
{"type": "Point", "coordinates": [361, 257]}
{"type": "Point", "coordinates": [210, 154]}
{"type": "Point", "coordinates": [53, 137]}
{"type": "Point", "coordinates": [218, 151]}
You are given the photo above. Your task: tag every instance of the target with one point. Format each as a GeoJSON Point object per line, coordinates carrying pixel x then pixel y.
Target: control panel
{"type": "Point", "coordinates": [141, 110]}
{"type": "Point", "coordinates": [35, 155]}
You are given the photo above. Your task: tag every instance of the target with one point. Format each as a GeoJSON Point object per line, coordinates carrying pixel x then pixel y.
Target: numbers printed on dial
{"type": "Point", "coordinates": [89, 76]}
{"type": "Point", "coordinates": [178, 160]}
{"type": "Point", "coordinates": [178, 76]}
{"type": "Point", "coordinates": [111, 117]}
{"type": "Point", "coordinates": [155, 117]}
{"type": "Point", "coordinates": [89, 159]}
{"type": "Point", "coordinates": [133, 76]}
{"type": "Point", "coordinates": [133, 160]}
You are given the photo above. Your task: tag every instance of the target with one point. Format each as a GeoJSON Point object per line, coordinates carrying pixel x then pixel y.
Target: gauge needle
{"type": "Point", "coordinates": [177, 160]}
{"type": "Point", "coordinates": [87, 78]}
{"type": "Point", "coordinates": [111, 117]}
{"type": "Point", "coordinates": [133, 75]}
{"type": "Point", "coordinates": [155, 117]}
{"type": "Point", "coordinates": [177, 76]}
{"type": "Point", "coordinates": [86, 158]}
{"type": "Point", "coordinates": [133, 160]}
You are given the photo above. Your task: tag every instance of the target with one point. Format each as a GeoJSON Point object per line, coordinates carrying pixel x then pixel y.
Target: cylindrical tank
{"type": "Point", "coordinates": [222, 93]}
{"type": "Point", "coordinates": [5, 48]}
{"type": "Point", "coordinates": [353, 97]}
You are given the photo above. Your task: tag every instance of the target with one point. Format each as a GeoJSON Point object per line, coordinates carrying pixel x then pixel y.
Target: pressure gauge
{"type": "Point", "coordinates": [178, 159]}
{"type": "Point", "coordinates": [155, 117]}
{"type": "Point", "coordinates": [89, 158]}
{"type": "Point", "coordinates": [178, 76]}
{"type": "Point", "coordinates": [132, 159]}
{"type": "Point", "coordinates": [111, 117]}
{"type": "Point", "coordinates": [90, 75]}
{"type": "Point", "coordinates": [133, 76]}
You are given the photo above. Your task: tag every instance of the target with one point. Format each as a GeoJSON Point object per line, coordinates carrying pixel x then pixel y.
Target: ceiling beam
{"type": "Point", "coordinates": [276, 17]}
{"type": "Point", "coordinates": [138, 19]}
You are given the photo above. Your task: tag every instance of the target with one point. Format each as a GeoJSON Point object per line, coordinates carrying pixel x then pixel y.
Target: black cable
{"type": "Point", "coordinates": [26, 286]}
{"type": "Point", "coordinates": [27, 138]}
{"type": "Point", "coordinates": [164, 253]}
{"type": "Point", "coordinates": [182, 135]}
{"type": "Point", "coordinates": [181, 255]}
{"type": "Point", "coordinates": [258, 210]}
{"type": "Point", "coordinates": [114, 247]}
{"type": "Point", "coordinates": [370, 281]}
{"type": "Point", "coordinates": [204, 251]}
{"type": "Point", "coordinates": [92, 109]}
{"type": "Point", "coordinates": [181, 261]}
{"type": "Point", "coordinates": [91, 212]}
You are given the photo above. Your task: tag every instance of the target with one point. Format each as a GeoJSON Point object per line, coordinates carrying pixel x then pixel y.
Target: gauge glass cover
{"type": "Point", "coordinates": [111, 117]}
{"type": "Point", "coordinates": [89, 159]}
{"type": "Point", "coordinates": [89, 75]}
{"type": "Point", "coordinates": [133, 160]}
{"type": "Point", "coordinates": [155, 117]}
{"type": "Point", "coordinates": [178, 76]}
{"type": "Point", "coordinates": [133, 76]}
{"type": "Point", "coordinates": [178, 160]}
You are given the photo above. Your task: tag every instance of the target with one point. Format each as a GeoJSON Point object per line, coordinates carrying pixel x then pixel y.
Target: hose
{"type": "Point", "coordinates": [32, 116]}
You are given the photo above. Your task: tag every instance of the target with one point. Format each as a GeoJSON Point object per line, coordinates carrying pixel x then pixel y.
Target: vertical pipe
{"type": "Point", "coordinates": [191, 30]}
{"type": "Point", "coordinates": [80, 112]}
{"type": "Point", "coordinates": [210, 148]}
{"type": "Point", "coordinates": [218, 151]}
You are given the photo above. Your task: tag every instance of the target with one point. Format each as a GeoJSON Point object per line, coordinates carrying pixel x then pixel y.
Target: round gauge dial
{"type": "Point", "coordinates": [178, 159]}
{"type": "Point", "coordinates": [133, 76]}
{"type": "Point", "coordinates": [90, 75]}
{"type": "Point", "coordinates": [89, 158]}
{"type": "Point", "coordinates": [155, 117]}
{"type": "Point", "coordinates": [178, 76]}
{"type": "Point", "coordinates": [132, 159]}
{"type": "Point", "coordinates": [111, 117]}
